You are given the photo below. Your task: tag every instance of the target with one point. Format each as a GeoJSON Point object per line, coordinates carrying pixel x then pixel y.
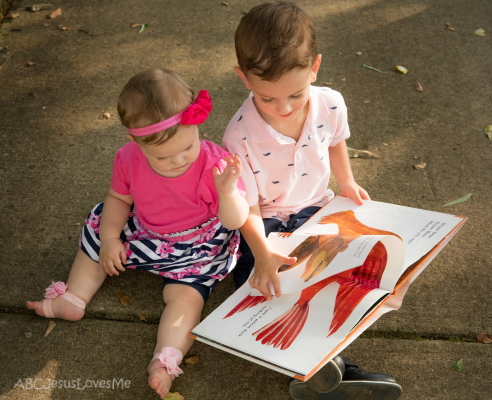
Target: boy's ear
{"type": "Point", "coordinates": [238, 71]}
{"type": "Point", "coordinates": [315, 67]}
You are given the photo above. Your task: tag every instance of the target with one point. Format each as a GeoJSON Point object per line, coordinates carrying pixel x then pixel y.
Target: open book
{"type": "Point", "coordinates": [354, 263]}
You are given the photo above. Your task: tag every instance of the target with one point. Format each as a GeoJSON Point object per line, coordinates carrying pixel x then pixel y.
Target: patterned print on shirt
{"type": "Point", "coordinates": [333, 108]}
{"type": "Point", "coordinates": [255, 172]}
{"type": "Point", "coordinates": [303, 174]}
{"type": "Point", "coordinates": [267, 154]}
{"type": "Point", "coordinates": [290, 165]}
{"type": "Point", "coordinates": [275, 182]}
{"type": "Point", "coordinates": [304, 145]}
{"type": "Point", "coordinates": [324, 137]}
{"type": "Point", "coordinates": [240, 118]}
{"type": "Point", "coordinates": [320, 126]}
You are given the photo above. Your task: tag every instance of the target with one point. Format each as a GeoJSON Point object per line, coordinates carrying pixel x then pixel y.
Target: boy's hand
{"type": "Point", "coordinates": [112, 256]}
{"type": "Point", "coordinates": [355, 192]}
{"type": "Point", "coordinates": [265, 273]}
{"type": "Point", "coordinates": [226, 182]}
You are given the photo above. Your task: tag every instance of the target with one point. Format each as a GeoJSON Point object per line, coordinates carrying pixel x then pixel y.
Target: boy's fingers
{"type": "Point", "coordinates": [276, 287]}
{"type": "Point", "coordinates": [290, 260]}
{"type": "Point", "coordinates": [215, 171]}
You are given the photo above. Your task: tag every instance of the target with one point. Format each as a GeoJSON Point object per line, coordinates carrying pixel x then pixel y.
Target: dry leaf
{"type": "Point", "coordinates": [135, 25]}
{"type": "Point", "coordinates": [206, 135]}
{"type": "Point", "coordinates": [386, 144]}
{"type": "Point", "coordinates": [420, 166]}
{"type": "Point", "coordinates": [419, 87]}
{"type": "Point", "coordinates": [459, 365]}
{"type": "Point", "coordinates": [488, 131]}
{"type": "Point", "coordinates": [373, 69]}
{"type": "Point", "coordinates": [359, 53]}
{"type": "Point", "coordinates": [30, 64]}
{"type": "Point", "coordinates": [484, 338]}
{"type": "Point", "coordinates": [142, 318]}
{"type": "Point", "coordinates": [480, 32]}
{"type": "Point", "coordinates": [225, 4]}
{"type": "Point", "coordinates": [361, 154]}
{"type": "Point", "coordinates": [230, 22]}
{"type": "Point", "coordinates": [124, 299]}
{"type": "Point", "coordinates": [192, 359]}
{"type": "Point", "coordinates": [51, 326]}
{"type": "Point", "coordinates": [460, 200]}
{"type": "Point", "coordinates": [55, 13]}
{"type": "Point", "coordinates": [344, 79]}
{"type": "Point", "coordinates": [450, 28]}
{"type": "Point", "coordinates": [63, 28]}
{"type": "Point", "coordinates": [173, 396]}
{"type": "Point", "coordinates": [39, 7]}
{"type": "Point", "coordinates": [13, 16]}
{"type": "Point", "coordinates": [107, 115]}
{"type": "Point", "coordinates": [327, 83]}
{"type": "Point", "coordinates": [403, 70]}
{"type": "Point", "coordinates": [143, 28]}
{"type": "Point", "coordinates": [47, 24]}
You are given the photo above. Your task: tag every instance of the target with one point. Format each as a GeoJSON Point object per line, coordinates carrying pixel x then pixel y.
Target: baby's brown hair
{"type": "Point", "coordinates": [274, 38]}
{"type": "Point", "coordinates": [152, 96]}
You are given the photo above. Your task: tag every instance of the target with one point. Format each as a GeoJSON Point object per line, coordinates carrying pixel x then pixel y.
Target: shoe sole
{"type": "Point", "coordinates": [349, 390]}
{"type": "Point", "coordinates": [327, 378]}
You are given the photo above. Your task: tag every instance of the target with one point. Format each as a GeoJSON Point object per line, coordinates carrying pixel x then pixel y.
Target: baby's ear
{"type": "Point", "coordinates": [129, 137]}
{"type": "Point", "coordinates": [243, 77]}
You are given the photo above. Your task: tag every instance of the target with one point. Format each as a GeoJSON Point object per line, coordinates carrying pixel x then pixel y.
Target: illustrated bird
{"type": "Point", "coordinates": [321, 250]}
{"type": "Point", "coordinates": [354, 283]}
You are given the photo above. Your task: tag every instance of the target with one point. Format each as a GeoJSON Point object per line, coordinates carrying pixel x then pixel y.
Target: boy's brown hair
{"type": "Point", "coordinates": [274, 38]}
{"type": "Point", "coordinates": [152, 96]}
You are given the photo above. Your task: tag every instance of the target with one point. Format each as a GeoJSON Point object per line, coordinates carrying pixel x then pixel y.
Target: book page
{"type": "Point", "coordinates": [420, 230]}
{"type": "Point", "coordinates": [339, 254]}
{"type": "Point", "coordinates": [314, 329]}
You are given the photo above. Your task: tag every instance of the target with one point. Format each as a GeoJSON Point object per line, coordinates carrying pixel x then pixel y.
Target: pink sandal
{"type": "Point", "coordinates": [59, 289]}
{"type": "Point", "coordinates": [169, 358]}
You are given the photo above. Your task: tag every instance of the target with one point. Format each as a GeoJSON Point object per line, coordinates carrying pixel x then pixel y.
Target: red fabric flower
{"type": "Point", "coordinates": [198, 111]}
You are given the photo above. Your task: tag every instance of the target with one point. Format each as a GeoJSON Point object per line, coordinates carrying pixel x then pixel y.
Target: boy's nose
{"type": "Point", "coordinates": [284, 108]}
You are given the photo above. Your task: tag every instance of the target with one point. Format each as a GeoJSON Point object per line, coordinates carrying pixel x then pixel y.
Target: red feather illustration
{"type": "Point", "coordinates": [354, 285]}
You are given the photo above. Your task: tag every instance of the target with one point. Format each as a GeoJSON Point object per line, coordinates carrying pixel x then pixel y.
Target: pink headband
{"type": "Point", "coordinates": [195, 114]}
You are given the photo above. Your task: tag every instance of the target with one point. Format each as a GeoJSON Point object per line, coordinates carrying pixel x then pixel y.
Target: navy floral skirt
{"type": "Point", "coordinates": [200, 255]}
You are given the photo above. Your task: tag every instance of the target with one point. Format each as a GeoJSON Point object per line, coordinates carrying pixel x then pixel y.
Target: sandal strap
{"type": "Point", "coordinates": [47, 309]}
{"type": "Point", "coordinates": [76, 301]}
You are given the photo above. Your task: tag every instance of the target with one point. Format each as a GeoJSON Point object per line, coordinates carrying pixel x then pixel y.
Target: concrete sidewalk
{"type": "Point", "coordinates": [57, 151]}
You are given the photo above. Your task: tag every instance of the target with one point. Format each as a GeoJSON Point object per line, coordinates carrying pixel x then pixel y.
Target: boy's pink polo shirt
{"type": "Point", "coordinates": [170, 205]}
{"type": "Point", "coordinates": [283, 175]}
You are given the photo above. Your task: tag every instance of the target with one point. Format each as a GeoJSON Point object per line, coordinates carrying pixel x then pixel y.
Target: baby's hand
{"type": "Point", "coordinates": [355, 192]}
{"type": "Point", "coordinates": [226, 182]}
{"type": "Point", "coordinates": [112, 256]}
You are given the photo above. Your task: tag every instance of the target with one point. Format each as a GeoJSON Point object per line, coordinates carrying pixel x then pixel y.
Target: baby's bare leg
{"type": "Point", "coordinates": [184, 306]}
{"type": "Point", "coordinates": [85, 278]}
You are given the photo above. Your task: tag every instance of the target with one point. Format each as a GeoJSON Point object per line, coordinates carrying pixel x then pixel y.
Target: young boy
{"type": "Point", "coordinates": [289, 136]}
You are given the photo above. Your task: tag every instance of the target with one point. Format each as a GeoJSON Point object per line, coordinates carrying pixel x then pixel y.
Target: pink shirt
{"type": "Point", "coordinates": [169, 205]}
{"type": "Point", "coordinates": [283, 175]}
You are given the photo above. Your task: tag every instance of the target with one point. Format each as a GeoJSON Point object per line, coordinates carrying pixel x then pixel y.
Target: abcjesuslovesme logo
{"type": "Point", "coordinates": [77, 384]}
